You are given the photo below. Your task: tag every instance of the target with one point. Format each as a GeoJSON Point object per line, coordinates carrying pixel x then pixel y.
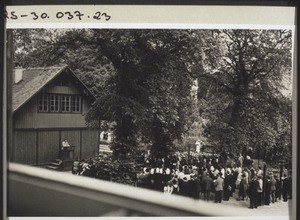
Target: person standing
{"type": "Point", "coordinates": [207, 186]}
{"type": "Point", "coordinates": [241, 160]}
{"type": "Point", "coordinates": [273, 188]}
{"type": "Point", "coordinates": [75, 168]}
{"type": "Point", "coordinates": [65, 144]}
{"type": "Point", "coordinates": [290, 186]}
{"type": "Point", "coordinates": [253, 188]}
{"type": "Point", "coordinates": [285, 188]}
{"type": "Point", "coordinates": [278, 188]}
{"type": "Point", "coordinates": [259, 191]}
{"type": "Point", "coordinates": [243, 187]}
{"type": "Point", "coordinates": [227, 185]}
{"type": "Point", "coordinates": [268, 191]}
{"type": "Point", "coordinates": [219, 183]}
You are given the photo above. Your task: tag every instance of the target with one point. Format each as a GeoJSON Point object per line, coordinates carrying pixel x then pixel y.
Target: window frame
{"type": "Point", "coordinates": [55, 102]}
{"type": "Point", "coordinates": [79, 106]}
{"type": "Point", "coordinates": [68, 99]}
{"type": "Point", "coordinates": [59, 102]}
{"type": "Point", "coordinates": [43, 95]}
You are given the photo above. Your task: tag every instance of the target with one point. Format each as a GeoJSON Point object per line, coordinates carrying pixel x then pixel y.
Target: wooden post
{"type": "Point", "coordinates": [264, 184]}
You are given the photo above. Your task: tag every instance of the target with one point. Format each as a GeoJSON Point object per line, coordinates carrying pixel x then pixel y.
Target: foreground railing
{"type": "Point", "coordinates": [36, 191]}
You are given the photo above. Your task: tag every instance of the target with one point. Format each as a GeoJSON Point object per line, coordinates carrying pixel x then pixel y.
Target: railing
{"type": "Point", "coordinates": [36, 191]}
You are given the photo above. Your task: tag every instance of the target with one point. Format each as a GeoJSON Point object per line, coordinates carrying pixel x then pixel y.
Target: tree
{"type": "Point", "coordinates": [246, 70]}
{"type": "Point", "coordinates": [152, 83]}
{"type": "Point", "coordinates": [141, 78]}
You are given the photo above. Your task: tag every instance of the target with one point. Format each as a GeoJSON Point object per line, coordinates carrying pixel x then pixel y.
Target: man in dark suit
{"type": "Point", "coordinates": [253, 187]}
{"type": "Point", "coordinates": [207, 186]}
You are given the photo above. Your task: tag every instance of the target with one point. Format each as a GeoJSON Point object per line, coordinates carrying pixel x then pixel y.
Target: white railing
{"type": "Point", "coordinates": [36, 191]}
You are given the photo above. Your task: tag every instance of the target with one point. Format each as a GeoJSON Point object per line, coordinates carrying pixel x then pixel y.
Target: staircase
{"type": "Point", "coordinates": [105, 148]}
{"type": "Point", "coordinates": [57, 164]}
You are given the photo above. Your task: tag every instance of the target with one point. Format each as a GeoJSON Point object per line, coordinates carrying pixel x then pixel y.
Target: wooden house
{"type": "Point", "coordinates": [49, 106]}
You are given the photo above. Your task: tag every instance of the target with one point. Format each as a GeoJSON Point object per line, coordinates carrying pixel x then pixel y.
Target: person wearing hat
{"type": "Point", "coordinates": [253, 188]}
{"type": "Point", "coordinates": [227, 185]}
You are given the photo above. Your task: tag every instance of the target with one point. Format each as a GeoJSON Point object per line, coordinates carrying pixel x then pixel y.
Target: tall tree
{"type": "Point", "coordinates": [246, 68]}
{"type": "Point", "coordinates": [142, 79]}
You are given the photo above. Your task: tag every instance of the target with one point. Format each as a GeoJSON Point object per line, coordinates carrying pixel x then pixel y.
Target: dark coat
{"type": "Point", "coordinates": [207, 183]}
{"type": "Point", "coordinates": [253, 187]}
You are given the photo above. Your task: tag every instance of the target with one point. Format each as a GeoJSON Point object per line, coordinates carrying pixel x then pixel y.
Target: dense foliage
{"type": "Point", "coordinates": [143, 78]}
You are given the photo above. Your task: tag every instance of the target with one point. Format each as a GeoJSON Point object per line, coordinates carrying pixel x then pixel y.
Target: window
{"type": "Point", "coordinates": [65, 103]}
{"type": "Point", "coordinates": [105, 136]}
{"type": "Point", "coordinates": [59, 103]}
{"type": "Point", "coordinates": [43, 103]}
{"type": "Point", "coordinates": [76, 104]}
{"type": "Point", "coordinates": [54, 103]}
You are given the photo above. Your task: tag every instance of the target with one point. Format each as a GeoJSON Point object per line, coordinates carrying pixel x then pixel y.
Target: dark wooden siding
{"type": "Point", "coordinates": [28, 117]}
{"type": "Point", "coordinates": [48, 146]}
{"type": "Point", "coordinates": [40, 146]}
{"type": "Point", "coordinates": [89, 143]}
{"type": "Point", "coordinates": [24, 150]}
{"type": "Point", "coordinates": [70, 89]}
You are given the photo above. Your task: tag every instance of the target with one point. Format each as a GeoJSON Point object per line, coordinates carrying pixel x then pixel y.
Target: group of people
{"type": "Point", "coordinates": [204, 177]}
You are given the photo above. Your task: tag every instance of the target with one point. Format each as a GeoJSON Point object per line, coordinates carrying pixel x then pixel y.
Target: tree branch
{"type": "Point", "coordinates": [216, 81]}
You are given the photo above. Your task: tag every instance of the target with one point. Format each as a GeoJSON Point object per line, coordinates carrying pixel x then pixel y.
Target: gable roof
{"type": "Point", "coordinates": [33, 80]}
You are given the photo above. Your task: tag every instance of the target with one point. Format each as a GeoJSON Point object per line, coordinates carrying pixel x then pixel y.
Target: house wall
{"type": "Point", "coordinates": [29, 117]}
{"type": "Point", "coordinates": [24, 147]}
{"type": "Point", "coordinates": [40, 146]}
{"type": "Point", "coordinates": [38, 136]}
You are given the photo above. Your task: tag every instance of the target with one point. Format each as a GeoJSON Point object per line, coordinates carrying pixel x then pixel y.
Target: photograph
{"type": "Point", "coordinates": [153, 121]}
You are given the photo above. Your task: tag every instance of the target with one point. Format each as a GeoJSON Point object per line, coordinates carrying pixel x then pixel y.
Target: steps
{"type": "Point", "coordinates": [105, 148]}
{"type": "Point", "coordinates": [57, 164]}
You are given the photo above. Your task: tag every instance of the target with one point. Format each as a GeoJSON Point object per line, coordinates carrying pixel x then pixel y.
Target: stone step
{"type": "Point", "coordinates": [58, 160]}
{"type": "Point", "coordinates": [52, 167]}
{"type": "Point", "coordinates": [56, 164]}
{"type": "Point", "coordinates": [105, 148]}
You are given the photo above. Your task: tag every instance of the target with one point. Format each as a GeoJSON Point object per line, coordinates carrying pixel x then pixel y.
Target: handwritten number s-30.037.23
{"type": "Point", "coordinates": [59, 15]}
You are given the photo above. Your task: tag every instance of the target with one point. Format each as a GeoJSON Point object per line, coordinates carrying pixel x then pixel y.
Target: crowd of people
{"type": "Point", "coordinates": [207, 177]}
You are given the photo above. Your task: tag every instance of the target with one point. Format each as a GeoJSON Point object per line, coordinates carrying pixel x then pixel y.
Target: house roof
{"type": "Point", "coordinates": [33, 80]}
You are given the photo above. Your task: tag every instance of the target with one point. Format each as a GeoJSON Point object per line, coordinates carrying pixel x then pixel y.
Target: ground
{"type": "Point", "coordinates": [279, 208]}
